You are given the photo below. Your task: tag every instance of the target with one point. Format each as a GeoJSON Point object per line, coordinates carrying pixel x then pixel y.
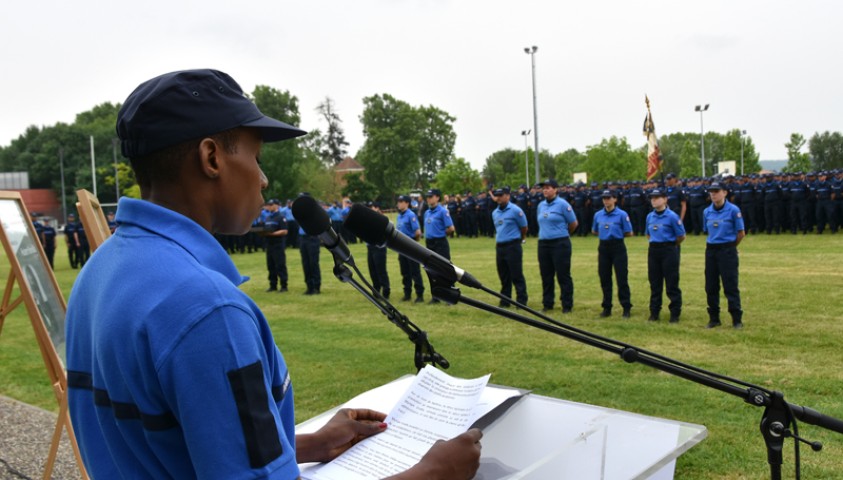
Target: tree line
{"type": "Point", "coordinates": [405, 148]}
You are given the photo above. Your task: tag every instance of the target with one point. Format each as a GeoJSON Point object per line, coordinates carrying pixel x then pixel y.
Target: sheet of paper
{"type": "Point", "coordinates": [435, 407]}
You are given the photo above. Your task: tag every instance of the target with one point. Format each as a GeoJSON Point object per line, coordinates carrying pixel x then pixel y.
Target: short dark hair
{"type": "Point", "coordinates": [164, 166]}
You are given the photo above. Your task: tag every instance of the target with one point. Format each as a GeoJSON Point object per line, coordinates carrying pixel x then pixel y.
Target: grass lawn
{"type": "Point", "coordinates": [338, 345]}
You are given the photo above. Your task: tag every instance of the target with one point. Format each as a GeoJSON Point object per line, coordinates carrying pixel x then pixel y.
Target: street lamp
{"type": "Point", "coordinates": [701, 109]}
{"type": "Point", "coordinates": [531, 51]}
{"type": "Point", "coordinates": [526, 158]}
{"type": "Point", "coordinates": [743, 142]}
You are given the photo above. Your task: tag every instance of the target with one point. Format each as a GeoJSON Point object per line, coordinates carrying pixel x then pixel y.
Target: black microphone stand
{"type": "Point", "coordinates": [424, 352]}
{"type": "Point", "coordinates": [778, 414]}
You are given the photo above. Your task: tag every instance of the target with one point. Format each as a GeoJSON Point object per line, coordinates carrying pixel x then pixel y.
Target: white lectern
{"type": "Point", "coordinates": [547, 438]}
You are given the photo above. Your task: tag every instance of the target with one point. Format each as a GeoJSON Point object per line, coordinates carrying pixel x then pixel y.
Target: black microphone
{"type": "Point", "coordinates": [314, 221]}
{"type": "Point", "coordinates": [376, 229]}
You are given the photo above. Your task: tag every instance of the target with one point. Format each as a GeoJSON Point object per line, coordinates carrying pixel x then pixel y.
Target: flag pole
{"type": "Point", "coordinates": [649, 122]}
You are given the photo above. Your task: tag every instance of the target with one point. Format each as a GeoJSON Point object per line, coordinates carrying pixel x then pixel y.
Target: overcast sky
{"type": "Point", "coordinates": [769, 67]}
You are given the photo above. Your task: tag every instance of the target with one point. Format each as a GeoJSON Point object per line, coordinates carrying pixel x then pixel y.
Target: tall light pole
{"type": "Point", "coordinates": [743, 141]}
{"type": "Point", "coordinates": [532, 52]}
{"type": "Point", "coordinates": [526, 158]}
{"type": "Point", "coordinates": [701, 109]}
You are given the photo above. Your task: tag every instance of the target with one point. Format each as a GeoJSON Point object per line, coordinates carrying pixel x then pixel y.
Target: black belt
{"type": "Point", "coordinates": [614, 241]}
{"type": "Point", "coordinates": [511, 242]}
{"type": "Point", "coordinates": [553, 240]}
{"type": "Point", "coordinates": [663, 244]}
{"type": "Point", "coordinates": [720, 246]}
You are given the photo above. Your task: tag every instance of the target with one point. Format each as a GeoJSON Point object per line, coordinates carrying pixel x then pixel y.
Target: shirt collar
{"type": "Point", "coordinates": [181, 230]}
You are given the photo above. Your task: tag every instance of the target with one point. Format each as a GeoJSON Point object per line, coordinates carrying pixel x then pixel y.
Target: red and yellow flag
{"type": "Point", "coordinates": [654, 160]}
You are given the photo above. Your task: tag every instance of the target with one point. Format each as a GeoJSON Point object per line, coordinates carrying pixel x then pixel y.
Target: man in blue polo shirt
{"type": "Point", "coordinates": [556, 221]}
{"type": "Point", "coordinates": [724, 225]}
{"type": "Point", "coordinates": [665, 232]}
{"type": "Point", "coordinates": [511, 229]}
{"type": "Point", "coordinates": [611, 225]}
{"type": "Point", "coordinates": [172, 370]}
{"type": "Point", "coordinates": [437, 226]}
{"type": "Point", "coordinates": [408, 224]}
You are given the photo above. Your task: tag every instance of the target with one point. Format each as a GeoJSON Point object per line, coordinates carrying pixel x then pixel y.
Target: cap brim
{"type": "Point", "coordinates": [273, 130]}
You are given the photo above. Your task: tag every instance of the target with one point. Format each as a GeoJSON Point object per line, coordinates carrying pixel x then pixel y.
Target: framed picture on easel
{"type": "Point", "coordinates": [93, 219]}
{"type": "Point", "coordinates": [45, 305]}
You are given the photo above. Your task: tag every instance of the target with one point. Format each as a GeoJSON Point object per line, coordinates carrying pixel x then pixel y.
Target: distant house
{"type": "Point", "coordinates": [346, 166]}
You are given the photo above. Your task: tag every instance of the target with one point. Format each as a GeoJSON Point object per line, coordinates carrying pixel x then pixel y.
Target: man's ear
{"type": "Point", "coordinates": [209, 160]}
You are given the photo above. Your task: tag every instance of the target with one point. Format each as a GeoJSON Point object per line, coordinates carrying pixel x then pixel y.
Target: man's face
{"type": "Point", "coordinates": [241, 181]}
{"type": "Point", "coordinates": [402, 206]}
{"type": "Point", "coordinates": [549, 191]}
{"type": "Point", "coordinates": [502, 199]}
{"type": "Point", "coordinates": [432, 201]}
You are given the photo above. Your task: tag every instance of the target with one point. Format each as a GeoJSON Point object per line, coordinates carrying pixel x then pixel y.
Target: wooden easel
{"type": "Point", "coordinates": [45, 305]}
{"type": "Point", "coordinates": [90, 212]}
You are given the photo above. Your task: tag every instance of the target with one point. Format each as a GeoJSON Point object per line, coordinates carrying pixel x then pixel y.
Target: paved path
{"type": "Point", "coordinates": [25, 436]}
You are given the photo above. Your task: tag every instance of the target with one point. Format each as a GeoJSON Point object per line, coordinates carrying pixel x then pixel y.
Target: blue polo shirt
{"type": "Point", "coordinates": [288, 213]}
{"type": "Point", "coordinates": [509, 219]}
{"type": "Point", "coordinates": [172, 370]}
{"type": "Point", "coordinates": [723, 225]}
{"type": "Point", "coordinates": [408, 223]}
{"type": "Point", "coordinates": [335, 213]}
{"type": "Point", "coordinates": [554, 217]}
{"type": "Point", "coordinates": [436, 222]}
{"type": "Point", "coordinates": [664, 226]}
{"type": "Point", "coordinates": [611, 226]}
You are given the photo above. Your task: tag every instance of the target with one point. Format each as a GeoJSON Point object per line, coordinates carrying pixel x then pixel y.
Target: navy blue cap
{"type": "Point", "coordinates": [669, 176]}
{"type": "Point", "coordinates": [434, 191]}
{"type": "Point", "coordinates": [657, 192]}
{"type": "Point", "coordinates": [550, 183]}
{"type": "Point", "coordinates": [716, 186]}
{"type": "Point", "coordinates": [501, 190]}
{"type": "Point", "coordinates": [608, 193]}
{"type": "Point", "coordinates": [404, 198]}
{"type": "Point", "coordinates": [273, 201]}
{"type": "Point", "coordinates": [180, 106]}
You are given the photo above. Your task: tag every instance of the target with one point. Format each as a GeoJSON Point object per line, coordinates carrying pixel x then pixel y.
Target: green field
{"type": "Point", "coordinates": [338, 345]}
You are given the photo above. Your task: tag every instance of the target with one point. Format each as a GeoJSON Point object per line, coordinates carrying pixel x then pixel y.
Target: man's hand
{"type": "Point", "coordinates": [456, 459]}
{"type": "Point", "coordinates": [344, 430]}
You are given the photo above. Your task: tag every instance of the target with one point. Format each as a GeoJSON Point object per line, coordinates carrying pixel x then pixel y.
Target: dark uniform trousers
{"type": "Point", "coordinates": [697, 218]}
{"type": "Point", "coordinates": [377, 269]}
{"type": "Point", "coordinates": [721, 263]}
{"type": "Point", "coordinates": [440, 246]}
{"type": "Point", "coordinates": [826, 214]}
{"type": "Point", "coordinates": [638, 217]}
{"type": "Point", "coordinates": [509, 257]}
{"type": "Point", "coordinates": [276, 261]}
{"type": "Point", "coordinates": [292, 233]}
{"type": "Point", "coordinates": [772, 215]}
{"type": "Point", "coordinates": [555, 261]}
{"type": "Point", "coordinates": [309, 248]}
{"type": "Point", "coordinates": [663, 271]}
{"type": "Point", "coordinates": [612, 254]}
{"type": "Point", "coordinates": [410, 275]}
{"type": "Point", "coordinates": [799, 215]}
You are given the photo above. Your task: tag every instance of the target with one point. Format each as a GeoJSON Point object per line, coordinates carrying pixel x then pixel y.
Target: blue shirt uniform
{"type": "Point", "coordinates": [509, 219]}
{"type": "Point", "coordinates": [664, 226]}
{"type": "Point", "coordinates": [722, 225]}
{"type": "Point", "coordinates": [611, 225]}
{"type": "Point", "coordinates": [437, 221]}
{"type": "Point", "coordinates": [408, 223]}
{"type": "Point", "coordinates": [138, 406]}
{"type": "Point", "coordinates": [274, 222]}
{"type": "Point", "coordinates": [554, 217]}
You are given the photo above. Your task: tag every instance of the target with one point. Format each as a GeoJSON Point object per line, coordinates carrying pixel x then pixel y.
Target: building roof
{"type": "Point", "coordinates": [348, 164]}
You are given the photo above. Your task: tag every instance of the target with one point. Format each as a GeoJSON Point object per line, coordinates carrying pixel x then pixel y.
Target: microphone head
{"type": "Point", "coordinates": [311, 216]}
{"type": "Point", "coordinates": [367, 224]}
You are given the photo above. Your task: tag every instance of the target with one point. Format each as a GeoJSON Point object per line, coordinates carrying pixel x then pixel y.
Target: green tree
{"type": "Point", "coordinates": [436, 143]}
{"type": "Point", "coordinates": [732, 142]}
{"type": "Point", "coordinates": [358, 189]}
{"type": "Point", "coordinates": [334, 145]}
{"type": "Point", "coordinates": [826, 150]}
{"type": "Point", "coordinates": [614, 159]}
{"type": "Point", "coordinates": [507, 167]}
{"type": "Point", "coordinates": [457, 176]}
{"type": "Point", "coordinates": [797, 160]}
{"type": "Point", "coordinates": [567, 163]}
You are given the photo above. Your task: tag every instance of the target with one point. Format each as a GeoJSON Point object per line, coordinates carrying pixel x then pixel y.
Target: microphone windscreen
{"type": "Point", "coordinates": [367, 224]}
{"type": "Point", "coordinates": [311, 216]}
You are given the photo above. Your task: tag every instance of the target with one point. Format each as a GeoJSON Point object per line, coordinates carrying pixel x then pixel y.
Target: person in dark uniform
{"type": "Point", "coordinates": [824, 194]}
{"type": "Point", "coordinates": [70, 239]}
{"type": "Point", "coordinates": [484, 215]}
{"type": "Point", "coordinates": [595, 203]}
{"type": "Point", "coordinates": [83, 248]}
{"type": "Point", "coordinates": [798, 192]}
{"type": "Point", "coordinates": [665, 232]}
{"type": "Point", "coordinates": [697, 201]}
{"type": "Point", "coordinates": [724, 226]}
{"type": "Point", "coordinates": [676, 200]}
{"type": "Point", "coordinates": [293, 228]}
{"type": "Point", "coordinates": [275, 232]}
{"type": "Point", "coordinates": [112, 224]}
{"type": "Point", "coordinates": [536, 197]}
{"type": "Point", "coordinates": [438, 225]}
{"type": "Point", "coordinates": [453, 204]}
{"type": "Point", "coordinates": [408, 224]}
{"type": "Point", "coordinates": [581, 210]}
{"type": "Point", "coordinates": [636, 202]}
{"type": "Point", "coordinates": [837, 192]}
{"type": "Point", "coordinates": [557, 222]}
{"type": "Point", "coordinates": [611, 225]}
{"type": "Point", "coordinates": [376, 259]}
{"type": "Point", "coordinates": [772, 205]}
{"type": "Point", "coordinates": [510, 230]}
{"type": "Point", "coordinates": [309, 248]}
{"type": "Point", "coordinates": [748, 207]}
{"type": "Point", "coordinates": [469, 214]}
{"type": "Point", "coordinates": [48, 241]}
